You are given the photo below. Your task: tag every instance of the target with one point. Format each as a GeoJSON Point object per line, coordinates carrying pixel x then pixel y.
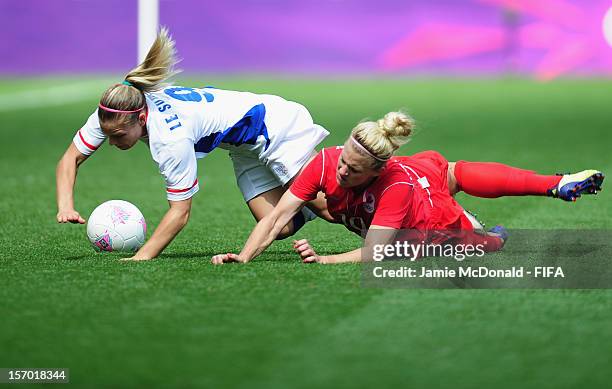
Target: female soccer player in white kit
{"type": "Point", "coordinates": [269, 140]}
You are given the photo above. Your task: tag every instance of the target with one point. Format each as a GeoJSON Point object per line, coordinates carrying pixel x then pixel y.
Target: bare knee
{"type": "Point", "coordinates": [319, 207]}
{"type": "Point", "coordinates": [264, 203]}
{"type": "Point", "coordinates": [286, 232]}
{"type": "Point", "coordinates": [453, 186]}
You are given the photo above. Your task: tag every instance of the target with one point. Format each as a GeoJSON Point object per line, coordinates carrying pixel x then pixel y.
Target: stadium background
{"type": "Point", "coordinates": [521, 82]}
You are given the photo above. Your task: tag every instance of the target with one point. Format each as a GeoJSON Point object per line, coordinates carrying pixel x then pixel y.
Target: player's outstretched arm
{"type": "Point", "coordinates": [171, 224]}
{"type": "Point", "coordinates": [65, 176]}
{"type": "Point", "coordinates": [266, 230]}
{"type": "Point", "coordinates": [376, 235]}
{"type": "Point", "coordinates": [309, 255]}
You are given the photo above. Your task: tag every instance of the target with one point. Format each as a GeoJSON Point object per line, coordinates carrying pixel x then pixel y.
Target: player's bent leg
{"type": "Point", "coordinates": [261, 189]}
{"type": "Point", "coordinates": [473, 233]}
{"type": "Point", "coordinates": [319, 207]}
{"type": "Point", "coordinates": [453, 187]}
{"type": "Point", "coordinates": [264, 203]}
{"type": "Point", "coordinates": [491, 179]}
{"type": "Point", "coordinates": [476, 224]}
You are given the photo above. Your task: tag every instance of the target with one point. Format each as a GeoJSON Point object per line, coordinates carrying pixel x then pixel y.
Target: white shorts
{"type": "Point", "coordinates": [256, 175]}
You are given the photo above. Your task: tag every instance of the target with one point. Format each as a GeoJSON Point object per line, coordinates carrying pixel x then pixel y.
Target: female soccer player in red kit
{"type": "Point", "coordinates": [375, 194]}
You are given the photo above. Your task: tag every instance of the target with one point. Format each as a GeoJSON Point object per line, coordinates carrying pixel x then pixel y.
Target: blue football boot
{"type": "Point", "coordinates": [500, 232]}
{"type": "Point", "coordinates": [573, 186]}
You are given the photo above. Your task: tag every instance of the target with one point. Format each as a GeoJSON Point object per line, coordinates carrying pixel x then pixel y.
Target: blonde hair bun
{"type": "Point", "coordinates": [382, 137]}
{"type": "Point", "coordinates": [397, 127]}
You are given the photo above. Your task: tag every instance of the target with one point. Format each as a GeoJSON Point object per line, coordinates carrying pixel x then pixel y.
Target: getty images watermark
{"type": "Point", "coordinates": [458, 259]}
{"type": "Point", "coordinates": [413, 251]}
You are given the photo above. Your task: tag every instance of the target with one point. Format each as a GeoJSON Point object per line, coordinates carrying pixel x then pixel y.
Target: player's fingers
{"type": "Point", "coordinates": [303, 247]}
{"type": "Point", "coordinates": [217, 259]}
{"type": "Point", "coordinates": [233, 257]}
{"type": "Point", "coordinates": [303, 243]}
{"type": "Point", "coordinates": [297, 243]}
{"type": "Point", "coordinates": [307, 253]}
{"type": "Point", "coordinates": [310, 259]}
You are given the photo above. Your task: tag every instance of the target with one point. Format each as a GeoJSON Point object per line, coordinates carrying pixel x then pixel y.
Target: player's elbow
{"type": "Point", "coordinates": [71, 159]}
{"type": "Point", "coordinates": [183, 217]}
{"type": "Point", "coordinates": [183, 214]}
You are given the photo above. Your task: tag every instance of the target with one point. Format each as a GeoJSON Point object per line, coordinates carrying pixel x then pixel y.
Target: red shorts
{"type": "Point", "coordinates": [446, 214]}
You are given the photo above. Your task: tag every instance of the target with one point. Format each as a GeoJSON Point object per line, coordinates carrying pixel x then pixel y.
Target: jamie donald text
{"type": "Point", "coordinates": [469, 271]}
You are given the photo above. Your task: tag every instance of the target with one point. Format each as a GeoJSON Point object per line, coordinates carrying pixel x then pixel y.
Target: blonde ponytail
{"type": "Point", "coordinates": [149, 76]}
{"type": "Point", "coordinates": [382, 137]}
{"type": "Point", "coordinates": [158, 65]}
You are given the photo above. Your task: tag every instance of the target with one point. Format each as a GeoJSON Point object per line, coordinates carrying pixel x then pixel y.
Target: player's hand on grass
{"type": "Point", "coordinates": [220, 259]}
{"type": "Point", "coordinates": [70, 216]}
{"type": "Point", "coordinates": [306, 252]}
{"type": "Point", "coordinates": [135, 258]}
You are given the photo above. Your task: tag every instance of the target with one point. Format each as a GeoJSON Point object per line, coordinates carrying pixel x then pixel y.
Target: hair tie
{"type": "Point", "coordinates": [367, 151]}
{"type": "Point", "coordinates": [126, 82]}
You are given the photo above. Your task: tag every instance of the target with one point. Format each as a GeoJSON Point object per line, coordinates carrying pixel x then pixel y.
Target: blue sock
{"type": "Point", "coordinates": [298, 221]}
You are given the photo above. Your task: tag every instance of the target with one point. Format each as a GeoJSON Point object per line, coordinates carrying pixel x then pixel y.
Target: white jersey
{"type": "Point", "coordinates": [188, 123]}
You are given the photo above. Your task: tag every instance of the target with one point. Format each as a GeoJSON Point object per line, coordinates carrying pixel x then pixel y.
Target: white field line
{"type": "Point", "coordinates": [52, 96]}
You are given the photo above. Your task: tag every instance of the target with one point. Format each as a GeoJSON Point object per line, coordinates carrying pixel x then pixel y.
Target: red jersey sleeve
{"type": "Point", "coordinates": [310, 181]}
{"type": "Point", "coordinates": [394, 205]}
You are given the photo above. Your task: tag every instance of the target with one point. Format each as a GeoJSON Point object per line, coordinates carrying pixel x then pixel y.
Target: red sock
{"type": "Point", "coordinates": [491, 179]}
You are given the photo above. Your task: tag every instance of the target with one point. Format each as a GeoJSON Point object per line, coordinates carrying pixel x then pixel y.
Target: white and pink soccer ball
{"type": "Point", "coordinates": [116, 225]}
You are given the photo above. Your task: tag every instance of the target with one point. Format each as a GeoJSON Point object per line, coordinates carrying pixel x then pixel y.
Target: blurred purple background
{"type": "Point", "coordinates": [546, 38]}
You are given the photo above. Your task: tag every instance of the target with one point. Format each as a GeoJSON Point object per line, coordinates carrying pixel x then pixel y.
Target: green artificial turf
{"type": "Point", "coordinates": [179, 321]}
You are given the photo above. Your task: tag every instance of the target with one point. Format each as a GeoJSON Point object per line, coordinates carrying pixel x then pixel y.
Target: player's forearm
{"type": "Point", "coordinates": [264, 234]}
{"type": "Point", "coordinates": [261, 238]}
{"type": "Point", "coordinates": [351, 256]}
{"type": "Point", "coordinates": [171, 224]}
{"type": "Point", "coordinates": [65, 176]}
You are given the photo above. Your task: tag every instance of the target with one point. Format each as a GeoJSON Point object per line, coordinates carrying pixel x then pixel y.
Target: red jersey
{"type": "Point", "coordinates": [411, 193]}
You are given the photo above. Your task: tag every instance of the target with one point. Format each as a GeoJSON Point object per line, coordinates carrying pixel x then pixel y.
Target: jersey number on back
{"type": "Point", "coordinates": [189, 94]}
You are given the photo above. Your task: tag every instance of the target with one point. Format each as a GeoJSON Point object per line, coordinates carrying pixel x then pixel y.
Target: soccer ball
{"type": "Point", "coordinates": [116, 225]}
